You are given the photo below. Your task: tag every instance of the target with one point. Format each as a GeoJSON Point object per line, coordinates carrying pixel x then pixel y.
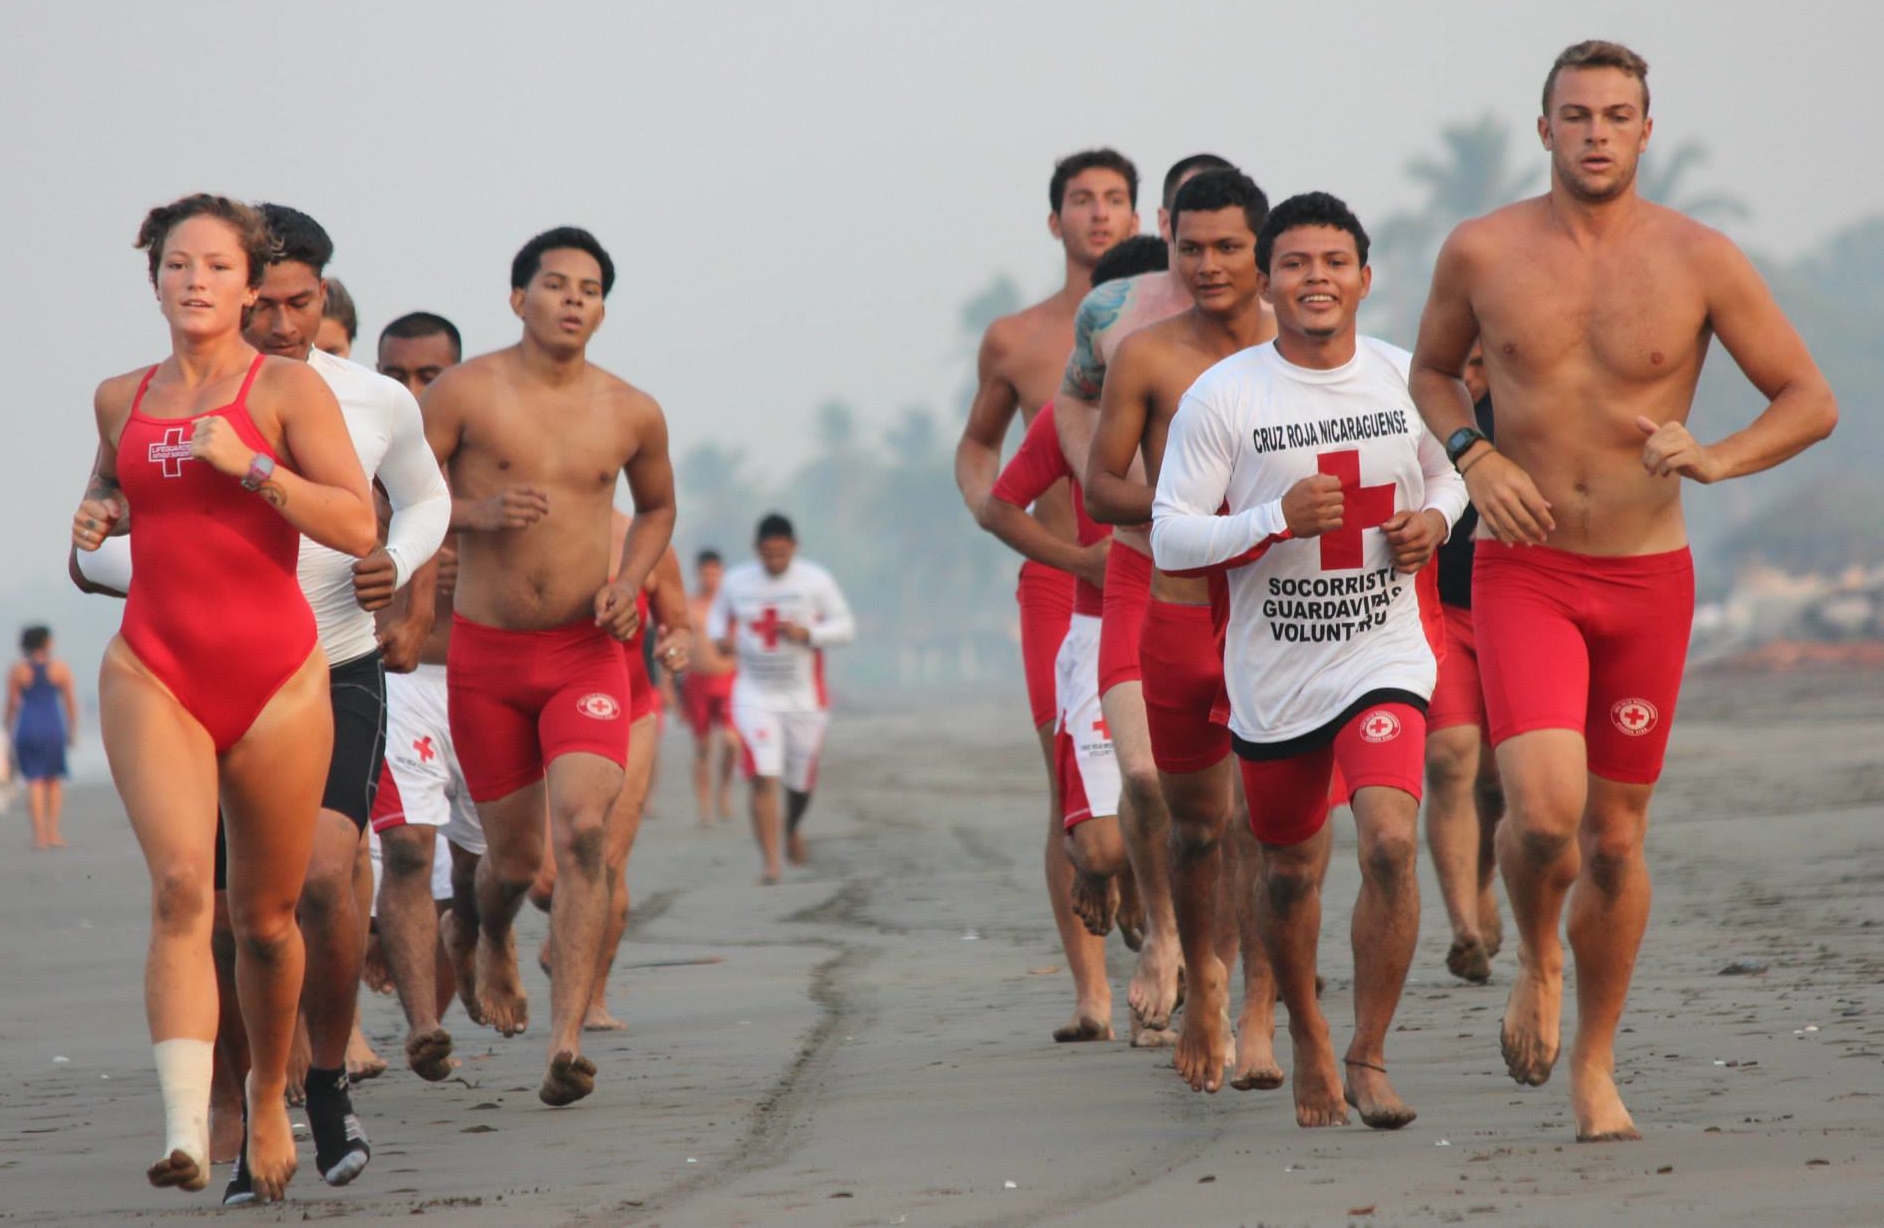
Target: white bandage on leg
{"type": "Point", "coordinates": [184, 1071]}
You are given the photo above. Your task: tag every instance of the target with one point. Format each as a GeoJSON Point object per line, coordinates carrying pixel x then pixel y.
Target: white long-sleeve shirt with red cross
{"type": "Point", "coordinates": [1319, 623]}
{"type": "Point", "coordinates": [753, 605]}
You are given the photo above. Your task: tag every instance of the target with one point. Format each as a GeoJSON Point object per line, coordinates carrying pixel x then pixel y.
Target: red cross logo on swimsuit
{"type": "Point", "coordinates": [1634, 717]}
{"type": "Point", "coordinates": [598, 706]}
{"type": "Point", "coordinates": [1380, 725]}
{"type": "Point", "coordinates": [1366, 507]}
{"type": "Point", "coordinates": [171, 453]}
{"type": "Point", "coordinates": [424, 747]}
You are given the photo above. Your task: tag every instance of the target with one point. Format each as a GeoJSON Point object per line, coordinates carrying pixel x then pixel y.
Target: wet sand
{"type": "Point", "coordinates": [871, 1047]}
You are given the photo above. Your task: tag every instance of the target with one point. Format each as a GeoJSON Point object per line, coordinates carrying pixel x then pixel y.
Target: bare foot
{"type": "Point", "coordinates": [1318, 1098]}
{"type": "Point", "coordinates": [1153, 992]}
{"type": "Point", "coordinates": [1469, 961]}
{"type": "Point", "coordinates": [461, 944]}
{"type": "Point", "coordinates": [598, 1019]}
{"type": "Point", "coordinates": [1369, 1092]}
{"type": "Point", "coordinates": [1529, 1037]}
{"type": "Point", "coordinates": [374, 972]}
{"type": "Point", "coordinates": [1601, 1117]}
{"type": "Point", "coordinates": [1256, 1066]}
{"type": "Point", "coordinates": [795, 849]}
{"type": "Point", "coordinates": [428, 1054]}
{"type": "Point", "coordinates": [300, 1057]}
{"type": "Point", "coordinates": [1081, 1028]}
{"type": "Point", "coordinates": [1491, 927]}
{"type": "Point", "coordinates": [178, 1169]}
{"type": "Point", "coordinates": [501, 999]}
{"type": "Point", "coordinates": [770, 878]}
{"type": "Point", "coordinates": [1095, 902]}
{"type": "Point", "coordinates": [1203, 1047]}
{"type": "Point", "coordinates": [271, 1159]}
{"type": "Point", "coordinates": [362, 1062]}
{"type": "Point", "coordinates": [569, 1078]}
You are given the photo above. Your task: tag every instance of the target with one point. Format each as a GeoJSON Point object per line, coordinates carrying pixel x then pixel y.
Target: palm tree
{"type": "Point", "coordinates": [1472, 174]}
{"type": "Point", "coordinates": [1661, 180]}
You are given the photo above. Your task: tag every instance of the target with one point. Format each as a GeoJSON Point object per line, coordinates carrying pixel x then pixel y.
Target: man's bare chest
{"type": "Point", "coordinates": [1636, 321]}
{"type": "Point", "coordinates": [580, 448]}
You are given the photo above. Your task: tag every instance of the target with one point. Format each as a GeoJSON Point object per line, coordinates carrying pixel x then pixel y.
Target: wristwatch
{"type": "Point", "coordinates": [261, 468]}
{"type": "Point", "coordinates": [1460, 442]}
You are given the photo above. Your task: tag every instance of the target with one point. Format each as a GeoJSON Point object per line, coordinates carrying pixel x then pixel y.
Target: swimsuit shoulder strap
{"type": "Point", "coordinates": [142, 386]}
{"type": "Point", "coordinates": [248, 381]}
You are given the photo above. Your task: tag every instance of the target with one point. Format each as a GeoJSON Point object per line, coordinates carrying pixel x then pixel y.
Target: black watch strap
{"type": "Point", "coordinates": [1461, 441]}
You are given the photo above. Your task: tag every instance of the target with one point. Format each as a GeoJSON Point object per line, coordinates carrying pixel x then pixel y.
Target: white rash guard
{"type": "Point", "coordinates": [775, 673]}
{"type": "Point", "coordinates": [1315, 624]}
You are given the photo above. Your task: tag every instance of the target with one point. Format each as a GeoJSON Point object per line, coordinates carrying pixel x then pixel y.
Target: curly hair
{"type": "Point", "coordinates": [251, 231]}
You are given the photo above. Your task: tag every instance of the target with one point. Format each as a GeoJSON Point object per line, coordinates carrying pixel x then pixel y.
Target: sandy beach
{"type": "Point", "coordinates": [868, 1043]}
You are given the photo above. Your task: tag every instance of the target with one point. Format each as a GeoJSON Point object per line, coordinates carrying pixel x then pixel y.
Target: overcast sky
{"type": "Point", "coordinates": [798, 195]}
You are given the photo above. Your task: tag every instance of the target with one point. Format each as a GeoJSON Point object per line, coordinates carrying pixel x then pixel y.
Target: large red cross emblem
{"type": "Point", "coordinates": [1102, 729]}
{"type": "Point", "coordinates": [171, 453]}
{"type": "Point", "coordinates": [424, 747]}
{"type": "Point", "coordinates": [767, 625]}
{"type": "Point", "coordinates": [1367, 507]}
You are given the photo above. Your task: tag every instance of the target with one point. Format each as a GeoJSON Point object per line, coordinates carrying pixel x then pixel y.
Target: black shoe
{"type": "Point", "coordinates": [240, 1191]}
{"type": "Point", "coordinates": [341, 1149]}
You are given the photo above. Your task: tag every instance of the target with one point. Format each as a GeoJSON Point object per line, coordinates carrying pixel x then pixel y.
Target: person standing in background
{"type": "Point", "coordinates": [42, 719]}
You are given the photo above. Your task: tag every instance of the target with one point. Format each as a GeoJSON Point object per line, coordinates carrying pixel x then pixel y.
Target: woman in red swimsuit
{"type": "Point", "coordinates": [215, 688]}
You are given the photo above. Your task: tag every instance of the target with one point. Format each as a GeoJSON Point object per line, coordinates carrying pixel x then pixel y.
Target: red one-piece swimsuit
{"type": "Point", "coordinates": [214, 611]}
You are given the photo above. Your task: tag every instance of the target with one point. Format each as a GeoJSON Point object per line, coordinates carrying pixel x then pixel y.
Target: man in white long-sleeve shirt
{"type": "Point", "coordinates": [777, 615]}
{"type": "Point", "coordinates": [1336, 496]}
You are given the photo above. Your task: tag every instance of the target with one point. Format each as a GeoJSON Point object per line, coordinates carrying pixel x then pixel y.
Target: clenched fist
{"type": "Point", "coordinates": [1672, 451]}
{"type": "Point", "coordinates": [216, 442]}
{"type": "Point", "coordinates": [1413, 536]}
{"type": "Point", "coordinates": [92, 523]}
{"type": "Point", "coordinates": [514, 507]}
{"type": "Point", "coordinates": [1314, 505]}
{"type": "Point", "coordinates": [615, 610]}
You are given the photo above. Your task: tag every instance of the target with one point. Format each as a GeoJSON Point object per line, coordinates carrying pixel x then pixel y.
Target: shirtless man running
{"type": "Point", "coordinates": [1106, 317]}
{"type": "Point", "coordinates": [1093, 196]}
{"type": "Point", "coordinates": [707, 693]}
{"type": "Point", "coordinates": [1215, 218]}
{"type": "Point", "coordinates": [1595, 308]}
{"type": "Point", "coordinates": [539, 691]}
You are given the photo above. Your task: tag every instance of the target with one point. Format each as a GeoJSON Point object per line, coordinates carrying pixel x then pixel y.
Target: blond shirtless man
{"type": "Point", "coordinates": [533, 438]}
{"type": "Point", "coordinates": [1215, 218]}
{"type": "Point", "coordinates": [1595, 308]}
{"type": "Point", "coordinates": [1093, 196]}
{"type": "Point", "coordinates": [1106, 317]}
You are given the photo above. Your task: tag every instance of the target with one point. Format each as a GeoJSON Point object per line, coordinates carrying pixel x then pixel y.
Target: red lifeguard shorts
{"type": "Point", "coordinates": [1046, 610]}
{"type": "Point", "coordinates": [1182, 662]}
{"type": "Point", "coordinates": [522, 699]}
{"type": "Point", "coordinates": [1383, 745]}
{"type": "Point", "coordinates": [1573, 641]}
{"type": "Point", "coordinates": [1128, 592]}
{"type": "Point", "coordinates": [1458, 696]}
{"type": "Point", "coordinates": [709, 701]}
{"type": "Point", "coordinates": [641, 690]}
